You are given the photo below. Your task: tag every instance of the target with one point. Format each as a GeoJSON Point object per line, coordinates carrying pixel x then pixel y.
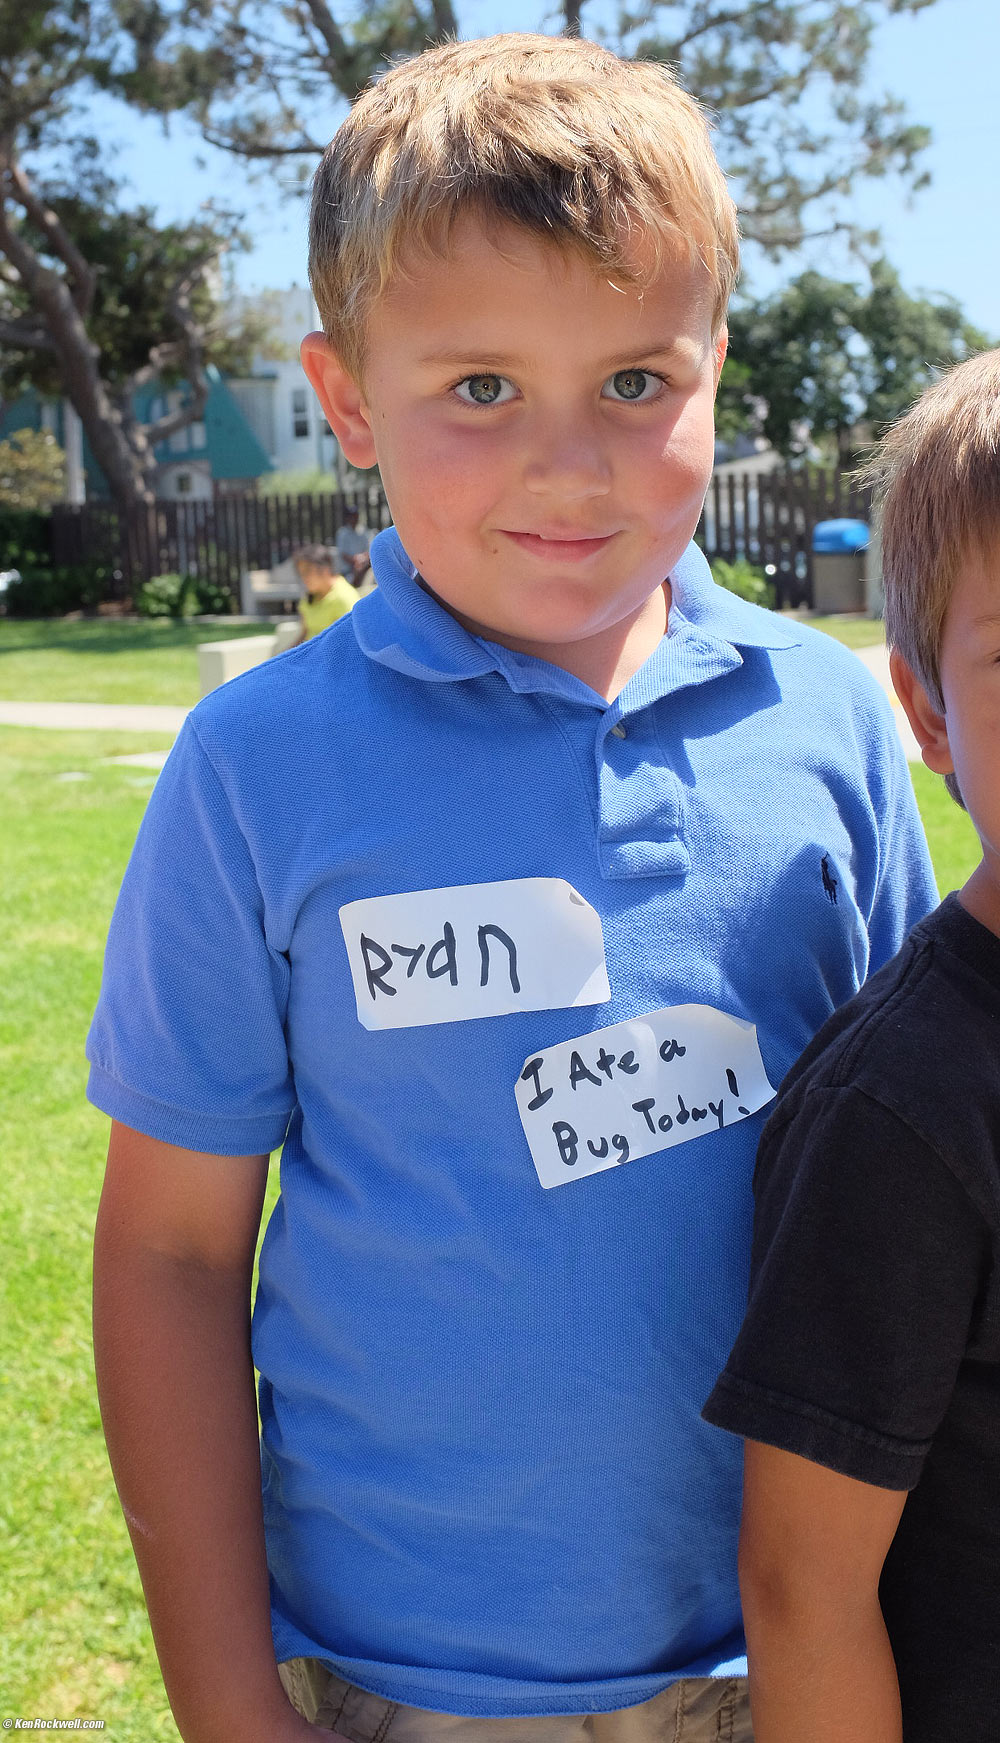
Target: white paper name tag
{"type": "Point", "coordinates": [638, 1087]}
{"type": "Point", "coordinates": [474, 950]}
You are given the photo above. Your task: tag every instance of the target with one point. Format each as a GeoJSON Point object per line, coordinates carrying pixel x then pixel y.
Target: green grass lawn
{"type": "Point", "coordinates": [854, 630]}
{"type": "Point", "coordinates": [113, 660]}
{"type": "Point", "coordinates": [73, 1635]}
{"type": "Point", "coordinates": [106, 659]}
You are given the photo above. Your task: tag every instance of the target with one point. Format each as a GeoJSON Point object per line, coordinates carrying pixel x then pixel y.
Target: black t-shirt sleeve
{"type": "Point", "coordinates": [868, 1259]}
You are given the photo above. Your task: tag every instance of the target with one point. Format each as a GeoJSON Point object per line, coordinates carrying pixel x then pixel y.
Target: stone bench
{"type": "Point", "coordinates": [263, 590]}
{"type": "Point", "coordinates": [220, 661]}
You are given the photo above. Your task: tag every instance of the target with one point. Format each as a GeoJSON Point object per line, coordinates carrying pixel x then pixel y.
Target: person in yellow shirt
{"type": "Point", "coordinates": [327, 596]}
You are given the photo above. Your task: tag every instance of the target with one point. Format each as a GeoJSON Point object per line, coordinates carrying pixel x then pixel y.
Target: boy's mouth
{"type": "Point", "coordinates": [565, 547]}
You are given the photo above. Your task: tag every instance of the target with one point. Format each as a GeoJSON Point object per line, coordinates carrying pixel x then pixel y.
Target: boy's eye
{"type": "Point", "coordinates": [631, 384]}
{"type": "Point", "coordinates": [485, 390]}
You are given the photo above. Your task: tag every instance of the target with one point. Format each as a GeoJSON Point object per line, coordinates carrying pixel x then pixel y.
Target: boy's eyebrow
{"type": "Point", "coordinates": [681, 350]}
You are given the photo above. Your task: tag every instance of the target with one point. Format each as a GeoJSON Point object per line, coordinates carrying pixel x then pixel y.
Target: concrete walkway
{"type": "Point", "coordinates": [115, 717]}
{"type": "Point", "coordinates": [877, 661]}
{"type": "Point", "coordinates": [94, 716]}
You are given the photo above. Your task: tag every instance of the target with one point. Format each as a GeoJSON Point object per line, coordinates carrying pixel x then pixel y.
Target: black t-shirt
{"type": "Point", "coordinates": [872, 1339]}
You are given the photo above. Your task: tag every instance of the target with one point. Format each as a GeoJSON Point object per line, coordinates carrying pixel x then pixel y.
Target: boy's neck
{"type": "Point", "coordinates": [604, 662]}
{"type": "Point", "coordinates": [980, 897]}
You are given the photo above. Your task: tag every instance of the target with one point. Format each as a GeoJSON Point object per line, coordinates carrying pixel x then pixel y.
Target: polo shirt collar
{"type": "Point", "coordinates": [402, 626]}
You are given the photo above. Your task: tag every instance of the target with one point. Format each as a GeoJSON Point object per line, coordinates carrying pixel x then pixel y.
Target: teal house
{"type": "Point", "coordinates": [217, 454]}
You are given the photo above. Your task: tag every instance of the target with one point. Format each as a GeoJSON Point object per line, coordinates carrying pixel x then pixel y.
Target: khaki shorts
{"type": "Point", "coordinates": [703, 1710]}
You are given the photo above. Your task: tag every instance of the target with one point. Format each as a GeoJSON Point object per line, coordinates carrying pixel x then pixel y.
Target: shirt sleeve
{"type": "Point", "coordinates": [187, 1043]}
{"type": "Point", "coordinates": [868, 1259]}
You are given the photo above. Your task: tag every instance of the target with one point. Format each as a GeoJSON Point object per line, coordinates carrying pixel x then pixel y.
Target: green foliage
{"type": "Point", "coordinates": [181, 596]}
{"type": "Point", "coordinates": [821, 357]}
{"type": "Point", "coordinates": [163, 596]}
{"type": "Point", "coordinates": [744, 579]}
{"type": "Point", "coordinates": [785, 83]}
{"type": "Point", "coordinates": [138, 263]}
{"type": "Point", "coordinates": [32, 470]}
{"type": "Point", "coordinates": [54, 589]}
{"type": "Point", "coordinates": [96, 299]}
{"type": "Point", "coordinates": [24, 539]}
{"type": "Point", "coordinates": [308, 482]}
{"type": "Point", "coordinates": [207, 598]}
{"type": "Point", "coordinates": [784, 80]}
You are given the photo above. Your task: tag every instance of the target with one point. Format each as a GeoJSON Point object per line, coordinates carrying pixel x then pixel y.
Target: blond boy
{"type": "Point", "coordinates": [549, 895]}
{"type": "Point", "coordinates": [868, 1370]}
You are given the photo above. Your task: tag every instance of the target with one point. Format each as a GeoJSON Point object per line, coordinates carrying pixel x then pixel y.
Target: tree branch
{"type": "Point", "coordinates": [186, 353]}
{"type": "Point", "coordinates": [239, 145]}
{"type": "Point", "coordinates": [83, 282]}
{"type": "Point", "coordinates": [445, 22]}
{"type": "Point", "coordinates": [327, 27]}
{"type": "Point", "coordinates": [12, 333]}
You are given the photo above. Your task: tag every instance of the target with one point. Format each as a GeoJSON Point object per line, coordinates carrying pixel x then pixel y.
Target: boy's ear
{"type": "Point", "coordinates": [930, 728]}
{"type": "Point", "coordinates": [341, 398]}
{"type": "Point", "coordinates": [721, 348]}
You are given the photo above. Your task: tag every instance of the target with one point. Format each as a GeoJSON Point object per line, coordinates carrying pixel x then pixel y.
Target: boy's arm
{"type": "Point", "coordinates": [812, 1546]}
{"type": "Point", "coordinates": [173, 1261]}
{"type": "Point", "coordinates": [869, 1264]}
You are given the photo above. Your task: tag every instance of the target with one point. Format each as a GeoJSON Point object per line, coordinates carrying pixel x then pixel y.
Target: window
{"type": "Point", "coordinates": [182, 484]}
{"type": "Point", "coordinates": [300, 412]}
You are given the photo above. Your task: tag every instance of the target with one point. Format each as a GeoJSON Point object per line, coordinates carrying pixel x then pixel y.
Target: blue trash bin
{"type": "Point", "coordinates": [839, 548]}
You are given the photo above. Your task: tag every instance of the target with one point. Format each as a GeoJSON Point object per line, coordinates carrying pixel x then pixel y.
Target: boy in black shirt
{"type": "Point", "coordinates": [867, 1374]}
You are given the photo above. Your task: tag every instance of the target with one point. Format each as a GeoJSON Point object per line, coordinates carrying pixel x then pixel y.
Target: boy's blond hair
{"type": "Point", "coordinates": [936, 477]}
{"type": "Point", "coordinates": [554, 134]}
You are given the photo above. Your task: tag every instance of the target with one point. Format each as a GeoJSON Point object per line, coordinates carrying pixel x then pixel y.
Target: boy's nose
{"type": "Point", "coordinates": [570, 462]}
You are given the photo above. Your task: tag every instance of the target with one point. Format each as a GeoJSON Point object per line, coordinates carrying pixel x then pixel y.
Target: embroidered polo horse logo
{"type": "Point", "coordinates": [829, 883]}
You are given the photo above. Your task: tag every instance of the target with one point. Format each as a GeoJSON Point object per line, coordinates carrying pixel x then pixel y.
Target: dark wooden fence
{"type": "Point", "coordinates": [766, 518]}
{"type": "Point", "coordinates": [214, 541]}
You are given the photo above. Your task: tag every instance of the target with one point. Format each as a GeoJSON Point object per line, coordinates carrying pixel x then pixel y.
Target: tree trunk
{"type": "Point", "coordinates": [571, 17]}
{"type": "Point", "coordinates": [129, 473]}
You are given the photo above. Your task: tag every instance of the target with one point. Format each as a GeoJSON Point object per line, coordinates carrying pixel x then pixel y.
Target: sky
{"type": "Point", "coordinates": [942, 62]}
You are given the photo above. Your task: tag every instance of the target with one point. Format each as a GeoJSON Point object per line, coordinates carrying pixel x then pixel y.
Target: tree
{"type": "Point", "coordinates": [786, 81]}
{"type": "Point", "coordinates": [268, 80]}
{"type": "Point", "coordinates": [94, 299]}
{"type": "Point", "coordinates": [822, 362]}
{"type": "Point", "coordinates": [32, 470]}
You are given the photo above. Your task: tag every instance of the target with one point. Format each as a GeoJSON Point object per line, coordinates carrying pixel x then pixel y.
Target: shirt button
{"type": "Point", "coordinates": [618, 731]}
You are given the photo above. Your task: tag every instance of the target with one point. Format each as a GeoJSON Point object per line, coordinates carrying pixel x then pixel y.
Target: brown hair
{"type": "Point", "coordinates": [554, 134]}
{"type": "Point", "coordinates": [936, 477]}
{"type": "Point", "coordinates": [314, 556]}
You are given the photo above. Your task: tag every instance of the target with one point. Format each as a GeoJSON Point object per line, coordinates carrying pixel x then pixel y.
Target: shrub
{"type": "Point", "coordinates": [24, 539]}
{"type": "Point", "coordinates": [163, 596]}
{"type": "Point", "coordinates": [53, 590]}
{"type": "Point", "coordinates": [32, 470]}
{"type": "Point", "coordinates": [208, 598]}
{"type": "Point", "coordinates": [182, 596]}
{"type": "Point", "coordinates": [744, 579]}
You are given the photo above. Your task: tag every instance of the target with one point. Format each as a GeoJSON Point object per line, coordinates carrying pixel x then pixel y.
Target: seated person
{"type": "Point", "coordinates": [352, 546]}
{"type": "Point", "coordinates": [327, 596]}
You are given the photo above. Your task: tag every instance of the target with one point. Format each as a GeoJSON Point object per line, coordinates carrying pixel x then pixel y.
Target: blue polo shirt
{"type": "Point", "coordinates": [487, 1485]}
